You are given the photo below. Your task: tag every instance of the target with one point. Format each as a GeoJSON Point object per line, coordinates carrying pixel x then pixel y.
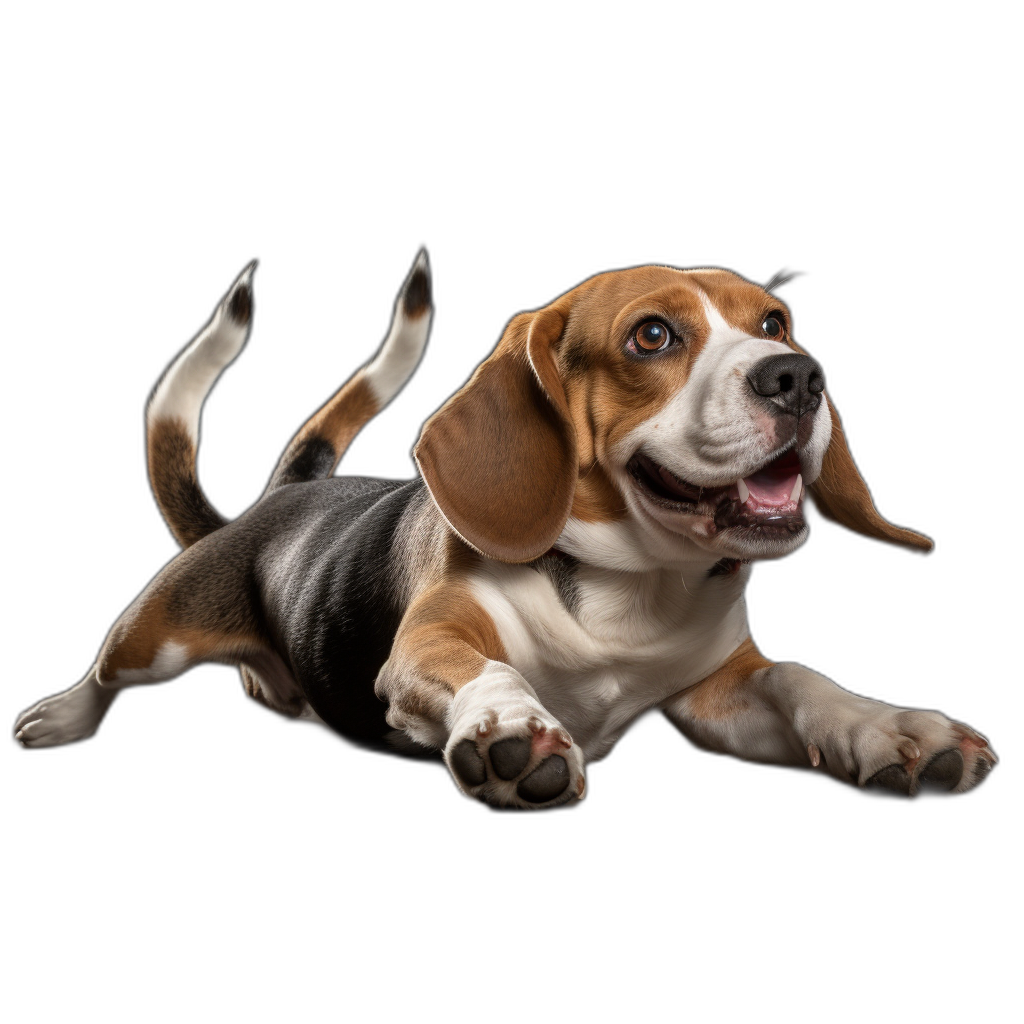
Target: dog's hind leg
{"type": "Point", "coordinates": [269, 682]}
{"type": "Point", "coordinates": [199, 608]}
{"type": "Point", "coordinates": [65, 717]}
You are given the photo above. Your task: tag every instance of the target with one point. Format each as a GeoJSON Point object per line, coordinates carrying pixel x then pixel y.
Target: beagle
{"type": "Point", "coordinates": [573, 552]}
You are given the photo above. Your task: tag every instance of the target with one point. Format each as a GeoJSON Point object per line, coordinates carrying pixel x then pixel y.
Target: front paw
{"type": "Point", "coordinates": [516, 760]}
{"type": "Point", "coordinates": [900, 749]}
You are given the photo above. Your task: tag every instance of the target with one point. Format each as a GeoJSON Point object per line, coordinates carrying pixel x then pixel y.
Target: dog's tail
{"type": "Point", "coordinates": [314, 452]}
{"type": "Point", "coordinates": [174, 407]}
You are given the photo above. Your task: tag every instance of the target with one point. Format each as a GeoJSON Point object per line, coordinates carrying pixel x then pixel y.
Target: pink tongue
{"type": "Point", "coordinates": [769, 489]}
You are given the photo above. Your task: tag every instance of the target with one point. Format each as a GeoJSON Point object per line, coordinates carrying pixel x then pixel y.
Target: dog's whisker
{"type": "Point", "coordinates": [780, 278]}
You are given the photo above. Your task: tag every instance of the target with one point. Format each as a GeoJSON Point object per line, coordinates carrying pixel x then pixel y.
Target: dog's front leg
{"type": "Point", "coordinates": [448, 685]}
{"type": "Point", "coordinates": [787, 714]}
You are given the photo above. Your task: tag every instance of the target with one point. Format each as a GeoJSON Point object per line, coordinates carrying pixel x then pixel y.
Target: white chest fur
{"type": "Point", "coordinates": [625, 642]}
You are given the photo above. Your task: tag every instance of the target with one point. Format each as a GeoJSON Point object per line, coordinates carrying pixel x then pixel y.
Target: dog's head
{"type": "Point", "coordinates": [674, 402]}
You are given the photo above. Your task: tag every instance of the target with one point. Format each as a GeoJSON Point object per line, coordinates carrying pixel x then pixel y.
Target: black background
{"type": "Point", "coordinates": [192, 781]}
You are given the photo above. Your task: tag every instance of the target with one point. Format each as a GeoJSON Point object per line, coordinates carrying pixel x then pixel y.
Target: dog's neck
{"type": "Point", "coordinates": [624, 546]}
{"type": "Point", "coordinates": [625, 591]}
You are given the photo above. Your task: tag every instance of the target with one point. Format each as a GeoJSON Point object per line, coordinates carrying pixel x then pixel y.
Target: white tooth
{"type": "Point", "coordinates": [797, 487]}
{"type": "Point", "coordinates": [744, 491]}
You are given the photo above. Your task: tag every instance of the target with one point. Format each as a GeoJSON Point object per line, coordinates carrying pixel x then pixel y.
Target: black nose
{"type": "Point", "coordinates": [792, 383]}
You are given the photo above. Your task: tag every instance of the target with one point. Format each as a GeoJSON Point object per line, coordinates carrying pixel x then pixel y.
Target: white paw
{"type": "Point", "coordinates": [65, 717]}
{"type": "Point", "coordinates": [520, 762]}
{"type": "Point", "coordinates": [506, 749]}
{"type": "Point", "coordinates": [875, 744]}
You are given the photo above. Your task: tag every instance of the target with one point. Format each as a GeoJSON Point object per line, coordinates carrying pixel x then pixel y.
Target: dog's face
{"type": "Point", "coordinates": [673, 402]}
{"type": "Point", "coordinates": [705, 419]}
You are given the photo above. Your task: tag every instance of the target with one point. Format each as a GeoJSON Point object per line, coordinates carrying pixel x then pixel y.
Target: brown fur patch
{"type": "Point", "coordinates": [324, 437]}
{"type": "Point", "coordinates": [201, 601]}
{"type": "Point", "coordinates": [347, 412]}
{"type": "Point", "coordinates": [137, 637]}
{"type": "Point", "coordinates": [609, 392]}
{"type": "Point", "coordinates": [499, 457]}
{"type": "Point", "coordinates": [172, 475]}
{"type": "Point", "coordinates": [448, 637]}
{"type": "Point", "coordinates": [743, 305]}
{"type": "Point", "coordinates": [721, 693]}
{"type": "Point", "coordinates": [841, 495]}
{"type": "Point", "coordinates": [445, 640]}
{"type": "Point", "coordinates": [597, 499]}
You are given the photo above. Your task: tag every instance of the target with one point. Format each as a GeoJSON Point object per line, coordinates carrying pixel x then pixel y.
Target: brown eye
{"type": "Point", "coordinates": [773, 326]}
{"type": "Point", "coordinates": [652, 336]}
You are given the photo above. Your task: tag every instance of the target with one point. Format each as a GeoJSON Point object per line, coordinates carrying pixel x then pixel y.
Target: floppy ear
{"type": "Point", "coordinates": [842, 495]}
{"type": "Point", "coordinates": [500, 456]}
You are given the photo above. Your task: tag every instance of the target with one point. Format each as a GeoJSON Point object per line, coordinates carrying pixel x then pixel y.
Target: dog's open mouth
{"type": "Point", "coordinates": [769, 500]}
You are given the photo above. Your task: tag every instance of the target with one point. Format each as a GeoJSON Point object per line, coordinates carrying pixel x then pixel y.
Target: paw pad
{"type": "Point", "coordinates": [945, 769]}
{"type": "Point", "coordinates": [894, 777]}
{"type": "Point", "coordinates": [467, 764]}
{"type": "Point", "coordinates": [522, 762]}
{"type": "Point", "coordinates": [548, 780]}
{"type": "Point", "coordinates": [509, 757]}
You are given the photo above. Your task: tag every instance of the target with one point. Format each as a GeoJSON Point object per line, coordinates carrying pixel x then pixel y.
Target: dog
{"type": "Point", "coordinates": [573, 552]}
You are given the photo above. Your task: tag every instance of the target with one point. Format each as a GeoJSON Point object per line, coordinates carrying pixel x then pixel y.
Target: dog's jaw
{"type": "Point", "coordinates": [760, 516]}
